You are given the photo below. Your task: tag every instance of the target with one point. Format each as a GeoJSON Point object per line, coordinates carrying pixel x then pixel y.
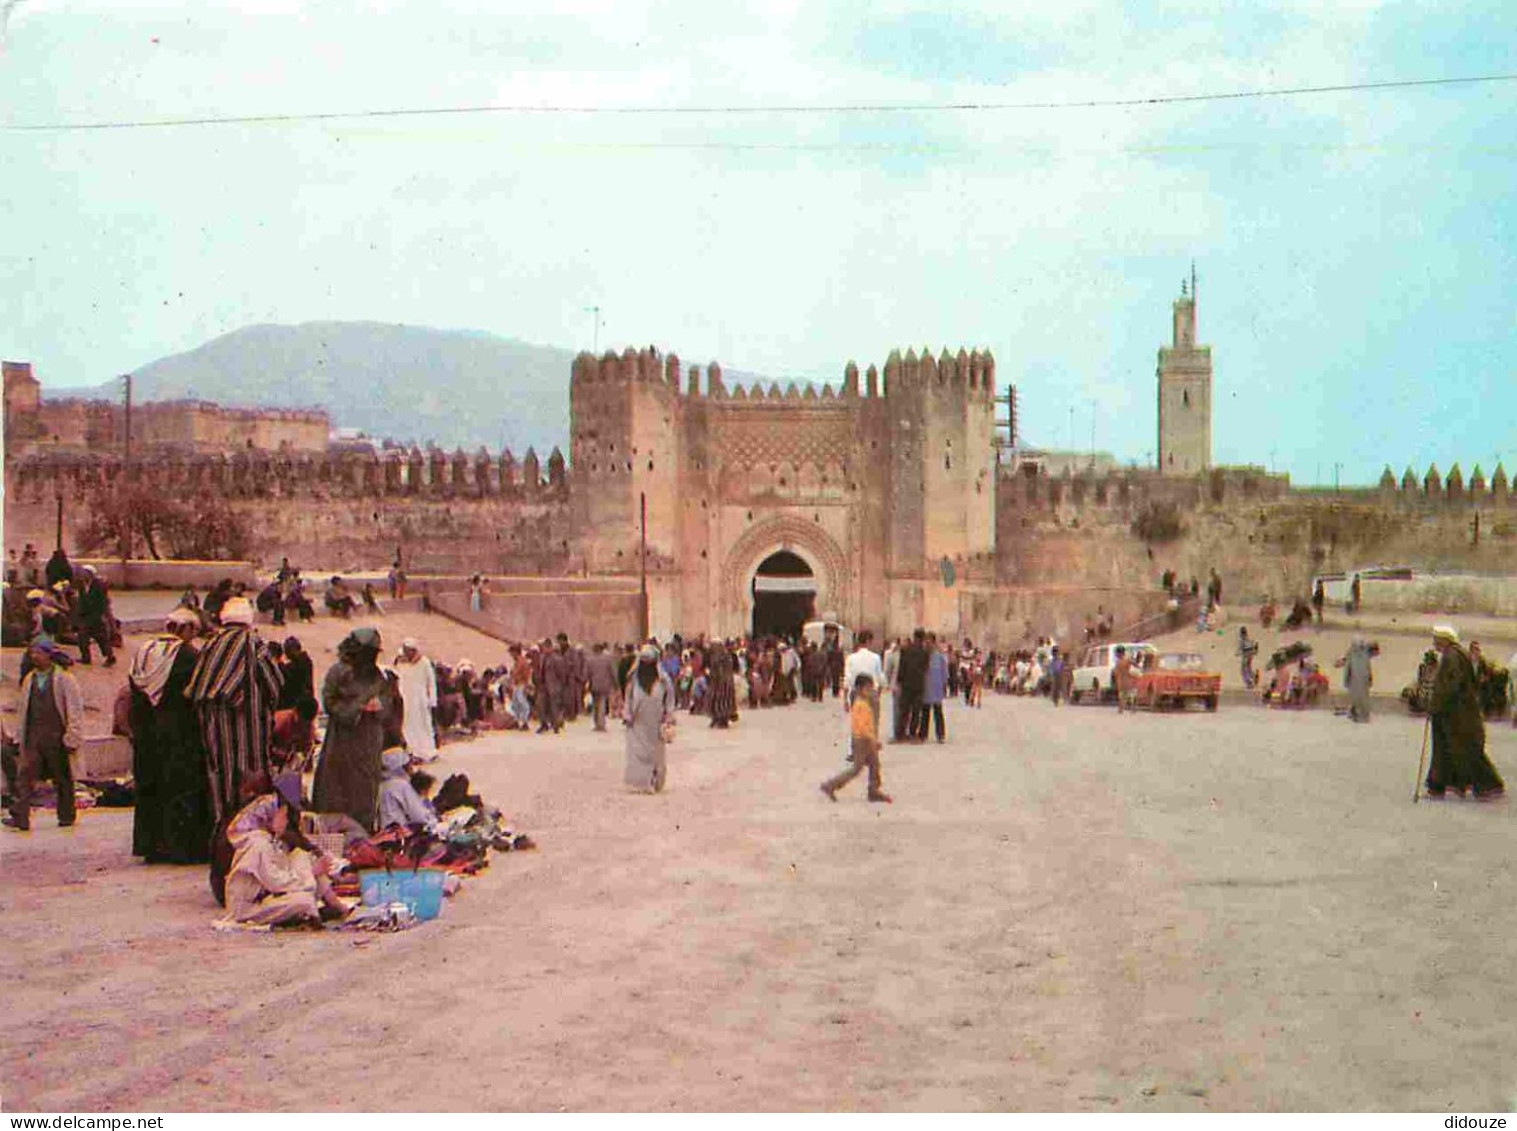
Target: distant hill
{"type": "Point", "coordinates": [410, 383]}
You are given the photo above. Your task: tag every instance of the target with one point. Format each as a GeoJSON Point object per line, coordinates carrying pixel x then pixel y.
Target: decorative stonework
{"type": "Point", "coordinates": [755, 434]}
{"type": "Point", "coordinates": [828, 561]}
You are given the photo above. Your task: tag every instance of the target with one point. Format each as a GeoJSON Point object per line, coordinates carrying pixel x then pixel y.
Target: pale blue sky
{"type": "Point", "coordinates": [1356, 250]}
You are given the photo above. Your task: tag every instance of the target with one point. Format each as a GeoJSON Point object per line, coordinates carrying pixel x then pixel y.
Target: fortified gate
{"type": "Point", "coordinates": [765, 507]}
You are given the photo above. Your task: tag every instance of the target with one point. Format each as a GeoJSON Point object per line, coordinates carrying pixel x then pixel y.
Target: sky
{"type": "Point", "coordinates": [1356, 251]}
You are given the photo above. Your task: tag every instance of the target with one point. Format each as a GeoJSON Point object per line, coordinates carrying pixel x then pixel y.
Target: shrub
{"type": "Point", "coordinates": [1158, 523]}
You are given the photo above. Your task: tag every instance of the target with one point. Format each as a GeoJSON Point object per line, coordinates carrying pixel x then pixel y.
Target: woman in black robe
{"type": "Point", "coordinates": [360, 704]}
{"type": "Point", "coordinates": [299, 677]}
{"type": "Point", "coordinates": [172, 820]}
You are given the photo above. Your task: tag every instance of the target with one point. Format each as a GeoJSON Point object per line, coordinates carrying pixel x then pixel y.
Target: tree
{"type": "Point", "coordinates": [201, 528]}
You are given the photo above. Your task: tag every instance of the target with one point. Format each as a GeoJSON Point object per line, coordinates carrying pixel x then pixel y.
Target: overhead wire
{"type": "Point", "coordinates": [773, 109]}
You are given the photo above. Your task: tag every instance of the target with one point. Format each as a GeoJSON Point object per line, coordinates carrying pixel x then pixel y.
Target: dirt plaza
{"type": "Point", "coordinates": [1065, 909]}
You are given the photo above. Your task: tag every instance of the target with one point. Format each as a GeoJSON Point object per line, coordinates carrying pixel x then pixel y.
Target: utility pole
{"type": "Point", "coordinates": [126, 382]}
{"type": "Point", "coordinates": [126, 480]}
{"type": "Point", "coordinates": [1093, 432]}
{"type": "Point", "coordinates": [595, 310]}
{"type": "Point", "coordinates": [1336, 468]}
{"type": "Point", "coordinates": [643, 612]}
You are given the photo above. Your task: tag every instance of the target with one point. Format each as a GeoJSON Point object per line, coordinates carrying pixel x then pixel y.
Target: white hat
{"type": "Point", "coordinates": [409, 643]}
{"type": "Point", "coordinates": [239, 610]}
{"type": "Point", "coordinates": [182, 616]}
{"type": "Point", "coordinates": [1446, 632]}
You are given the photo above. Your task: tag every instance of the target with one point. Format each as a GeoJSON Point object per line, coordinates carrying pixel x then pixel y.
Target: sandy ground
{"type": "Point", "coordinates": [1065, 909]}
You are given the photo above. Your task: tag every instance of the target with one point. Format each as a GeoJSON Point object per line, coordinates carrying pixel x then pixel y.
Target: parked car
{"type": "Point", "coordinates": [1092, 677]}
{"type": "Point", "coordinates": [1172, 679]}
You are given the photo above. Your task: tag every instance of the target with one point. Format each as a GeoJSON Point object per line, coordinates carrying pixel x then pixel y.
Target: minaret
{"type": "Point", "coordinates": [1184, 378]}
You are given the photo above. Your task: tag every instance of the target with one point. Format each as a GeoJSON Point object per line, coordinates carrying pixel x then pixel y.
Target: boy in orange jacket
{"type": "Point", "coordinates": [865, 744]}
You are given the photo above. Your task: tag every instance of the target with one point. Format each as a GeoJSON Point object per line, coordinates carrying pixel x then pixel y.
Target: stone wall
{"type": "Point", "coordinates": [1014, 618]}
{"type": "Point", "coordinates": [147, 574]}
{"type": "Point", "coordinates": [186, 426]}
{"type": "Point", "coordinates": [1259, 534]}
{"type": "Point", "coordinates": [205, 427]}
{"type": "Point", "coordinates": [1438, 593]}
{"type": "Point", "coordinates": [607, 612]}
{"type": "Point", "coordinates": [446, 513]}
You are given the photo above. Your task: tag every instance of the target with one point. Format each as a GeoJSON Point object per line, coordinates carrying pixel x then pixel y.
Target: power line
{"type": "Point", "coordinates": [819, 109]}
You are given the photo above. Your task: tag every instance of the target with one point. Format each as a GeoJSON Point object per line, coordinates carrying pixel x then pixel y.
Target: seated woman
{"type": "Point", "coordinates": [297, 602]}
{"type": "Point", "coordinates": [468, 685]}
{"type": "Point", "coordinates": [400, 802]}
{"type": "Point", "coordinates": [274, 878]}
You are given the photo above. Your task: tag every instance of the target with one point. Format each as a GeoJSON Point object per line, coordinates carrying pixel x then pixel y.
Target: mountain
{"type": "Point", "coordinates": [459, 388]}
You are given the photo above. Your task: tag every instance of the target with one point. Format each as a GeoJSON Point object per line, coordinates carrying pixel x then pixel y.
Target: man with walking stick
{"type": "Point", "coordinates": [1457, 727]}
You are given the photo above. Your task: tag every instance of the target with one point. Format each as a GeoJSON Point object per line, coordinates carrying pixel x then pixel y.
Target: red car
{"type": "Point", "coordinates": [1174, 678]}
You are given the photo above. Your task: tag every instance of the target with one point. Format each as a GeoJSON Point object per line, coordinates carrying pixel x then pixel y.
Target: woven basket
{"type": "Point", "coordinates": [329, 843]}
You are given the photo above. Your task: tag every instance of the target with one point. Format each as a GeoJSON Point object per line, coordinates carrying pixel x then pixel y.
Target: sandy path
{"type": "Point", "coordinates": [1065, 909]}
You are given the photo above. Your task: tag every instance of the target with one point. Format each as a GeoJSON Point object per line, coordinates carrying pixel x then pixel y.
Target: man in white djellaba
{"type": "Point", "coordinates": [418, 691]}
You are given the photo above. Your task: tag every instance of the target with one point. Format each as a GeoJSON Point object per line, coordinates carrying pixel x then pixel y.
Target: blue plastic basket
{"type": "Point", "coordinates": [420, 890]}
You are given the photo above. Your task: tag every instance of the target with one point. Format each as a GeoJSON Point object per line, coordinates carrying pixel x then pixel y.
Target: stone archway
{"type": "Point", "coordinates": [828, 562]}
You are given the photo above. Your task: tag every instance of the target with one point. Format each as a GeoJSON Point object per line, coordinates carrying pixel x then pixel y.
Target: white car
{"type": "Point", "coordinates": [1092, 678]}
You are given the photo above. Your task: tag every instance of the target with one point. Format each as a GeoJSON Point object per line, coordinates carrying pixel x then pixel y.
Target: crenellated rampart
{"type": "Point", "coordinates": [1125, 527]}
{"type": "Point", "coordinates": [444, 511]}
{"type": "Point", "coordinates": [887, 482]}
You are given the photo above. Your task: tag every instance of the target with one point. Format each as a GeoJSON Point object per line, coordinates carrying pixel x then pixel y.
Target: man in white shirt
{"type": "Point", "coordinates": [863, 661]}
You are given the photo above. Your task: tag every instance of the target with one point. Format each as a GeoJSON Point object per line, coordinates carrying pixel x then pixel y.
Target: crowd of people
{"type": "Point", "coordinates": [224, 723]}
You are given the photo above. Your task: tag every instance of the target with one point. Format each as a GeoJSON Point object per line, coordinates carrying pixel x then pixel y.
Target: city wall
{"type": "Point", "coordinates": [1263, 537]}
{"type": "Point", "coordinates": [1064, 543]}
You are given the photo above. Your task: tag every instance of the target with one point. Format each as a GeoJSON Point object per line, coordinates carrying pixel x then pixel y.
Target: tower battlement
{"type": "Point", "coordinates": [969, 371]}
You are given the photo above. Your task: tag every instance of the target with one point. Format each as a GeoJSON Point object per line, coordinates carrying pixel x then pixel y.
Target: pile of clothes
{"type": "Point", "coordinates": [106, 793]}
{"type": "Point", "coordinates": [300, 869]}
{"type": "Point", "coordinates": [454, 833]}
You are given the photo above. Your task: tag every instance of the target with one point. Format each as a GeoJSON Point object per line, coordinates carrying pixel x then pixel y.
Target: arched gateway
{"type": "Point", "coordinates": [787, 550]}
